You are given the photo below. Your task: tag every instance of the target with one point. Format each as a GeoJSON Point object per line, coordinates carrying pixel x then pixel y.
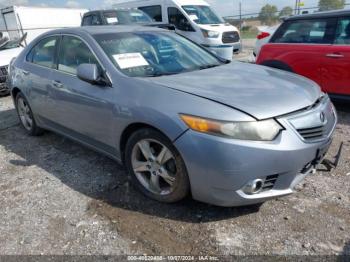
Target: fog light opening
{"type": "Point", "coordinates": [254, 187]}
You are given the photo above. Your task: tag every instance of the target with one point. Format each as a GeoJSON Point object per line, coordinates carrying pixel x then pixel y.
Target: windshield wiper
{"type": "Point", "coordinates": [156, 74]}
{"type": "Point", "coordinates": [208, 66]}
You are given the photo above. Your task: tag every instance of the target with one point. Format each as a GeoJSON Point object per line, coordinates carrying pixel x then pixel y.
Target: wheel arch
{"type": "Point", "coordinates": [15, 91]}
{"type": "Point", "coordinates": [129, 130]}
{"type": "Point", "coordinates": [278, 65]}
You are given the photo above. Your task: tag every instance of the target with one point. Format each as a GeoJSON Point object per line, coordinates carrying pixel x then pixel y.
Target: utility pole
{"type": "Point", "coordinates": [240, 14]}
{"type": "Point", "coordinates": [297, 7]}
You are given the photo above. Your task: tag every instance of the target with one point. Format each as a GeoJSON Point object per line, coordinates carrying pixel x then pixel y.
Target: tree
{"type": "Point", "coordinates": [286, 11]}
{"type": "Point", "coordinates": [268, 14]}
{"type": "Point", "coordinates": [325, 5]}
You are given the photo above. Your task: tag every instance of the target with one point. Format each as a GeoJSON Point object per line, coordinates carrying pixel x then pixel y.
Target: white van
{"type": "Point", "coordinates": [193, 19]}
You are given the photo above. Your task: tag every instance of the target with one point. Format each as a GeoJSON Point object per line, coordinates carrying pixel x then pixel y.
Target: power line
{"type": "Point", "coordinates": [296, 11]}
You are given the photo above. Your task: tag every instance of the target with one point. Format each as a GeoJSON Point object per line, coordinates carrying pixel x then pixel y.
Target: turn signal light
{"type": "Point", "coordinates": [200, 124]}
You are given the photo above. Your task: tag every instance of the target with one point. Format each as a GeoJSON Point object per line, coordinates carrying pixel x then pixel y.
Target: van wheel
{"type": "Point", "coordinates": [156, 167]}
{"type": "Point", "coordinates": [25, 115]}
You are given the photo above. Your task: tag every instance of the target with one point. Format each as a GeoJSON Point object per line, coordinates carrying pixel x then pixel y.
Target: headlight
{"type": "Point", "coordinates": [210, 34]}
{"type": "Point", "coordinates": [266, 130]}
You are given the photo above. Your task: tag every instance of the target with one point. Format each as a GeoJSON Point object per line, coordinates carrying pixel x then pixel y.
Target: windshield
{"type": "Point", "coordinates": [202, 14]}
{"type": "Point", "coordinates": [126, 17]}
{"type": "Point", "coordinates": [10, 44]}
{"type": "Point", "coordinates": [151, 54]}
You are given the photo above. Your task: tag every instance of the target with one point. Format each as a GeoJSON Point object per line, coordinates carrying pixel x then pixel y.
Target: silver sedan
{"type": "Point", "coordinates": [181, 119]}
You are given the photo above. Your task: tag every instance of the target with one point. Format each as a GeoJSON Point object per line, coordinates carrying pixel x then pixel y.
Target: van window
{"type": "Point", "coordinates": [179, 20]}
{"type": "Point", "coordinates": [154, 11]}
{"type": "Point", "coordinates": [74, 52]}
{"type": "Point", "coordinates": [44, 52]}
{"type": "Point", "coordinates": [343, 32]}
{"type": "Point", "coordinates": [313, 31]}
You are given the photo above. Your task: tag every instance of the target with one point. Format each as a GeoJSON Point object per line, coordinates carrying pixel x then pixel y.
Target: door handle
{"type": "Point", "coordinates": [25, 72]}
{"type": "Point", "coordinates": [57, 84]}
{"type": "Point", "coordinates": [334, 55]}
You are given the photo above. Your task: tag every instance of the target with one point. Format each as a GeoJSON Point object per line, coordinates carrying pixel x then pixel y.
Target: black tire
{"type": "Point", "coordinates": [34, 129]}
{"type": "Point", "coordinates": [4, 93]}
{"type": "Point", "coordinates": [181, 186]}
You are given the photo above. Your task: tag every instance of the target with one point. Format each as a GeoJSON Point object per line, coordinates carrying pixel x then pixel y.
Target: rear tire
{"type": "Point", "coordinates": [25, 115]}
{"type": "Point", "coordinates": [156, 167]}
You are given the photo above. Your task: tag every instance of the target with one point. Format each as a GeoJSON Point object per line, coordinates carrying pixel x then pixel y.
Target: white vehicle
{"type": "Point", "coordinates": [22, 24]}
{"type": "Point", "coordinates": [195, 20]}
{"type": "Point", "coordinates": [17, 20]}
{"type": "Point", "coordinates": [264, 36]}
{"type": "Point", "coordinates": [8, 50]}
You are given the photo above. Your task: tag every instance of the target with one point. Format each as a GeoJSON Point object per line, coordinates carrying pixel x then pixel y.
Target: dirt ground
{"type": "Point", "coordinates": [57, 197]}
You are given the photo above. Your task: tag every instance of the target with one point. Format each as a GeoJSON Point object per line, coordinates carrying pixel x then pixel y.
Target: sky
{"type": "Point", "coordinates": [223, 7]}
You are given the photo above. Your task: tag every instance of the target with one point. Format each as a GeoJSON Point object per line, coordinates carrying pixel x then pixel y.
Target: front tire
{"type": "Point", "coordinates": [156, 167]}
{"type": "Point", "coordinates": [25, 115]}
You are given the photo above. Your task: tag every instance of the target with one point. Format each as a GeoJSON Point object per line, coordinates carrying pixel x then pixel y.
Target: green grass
{"type": "Point", "coordinates": [248, 34]}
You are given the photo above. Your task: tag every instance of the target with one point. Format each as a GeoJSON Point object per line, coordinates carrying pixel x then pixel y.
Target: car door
{"type": "Point", "coordinates": [81, 109]}
{"type": "Point", "coordinates": [300, 45]}
{"type": "Point", "coordinates": [37, 72]}
{"type": "Point", "coordinates": [336, 61]}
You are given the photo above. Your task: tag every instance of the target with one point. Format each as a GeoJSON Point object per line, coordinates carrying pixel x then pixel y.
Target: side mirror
{"type": "Point", "coordinates": [185, 25]}
{"type": "Point", "coordinates": [90, 73]}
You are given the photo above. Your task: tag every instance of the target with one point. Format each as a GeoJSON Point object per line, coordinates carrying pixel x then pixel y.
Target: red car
{"type": "Point", "coordinates": [316, 46]}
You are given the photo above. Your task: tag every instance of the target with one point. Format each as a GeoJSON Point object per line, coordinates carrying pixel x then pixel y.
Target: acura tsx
{"type": "Point", "coordinates": [181, 119]}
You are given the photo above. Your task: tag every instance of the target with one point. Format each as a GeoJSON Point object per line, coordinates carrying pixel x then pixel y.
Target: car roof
{"type": "Point", "coordinates": [327, 14]}
{"type": "Point", "coordinates": [110, 10]}
{"type": "Point", "coordinates": [108, 29]}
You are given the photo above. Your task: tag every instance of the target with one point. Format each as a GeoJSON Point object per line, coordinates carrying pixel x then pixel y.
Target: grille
{"type": "Point", "coordinates": [312, 133]}
{"type": "Point", "coordinates": [3, 71]}
{"type": "Point", "coordinates": [3, 74]}
{"type": "Point", "coordinates": [230, 37]}
{"type": "Point", "coordinates": [269, 182]}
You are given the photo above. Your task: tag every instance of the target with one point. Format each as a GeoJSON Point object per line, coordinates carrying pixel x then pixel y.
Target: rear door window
{"type": "Point", "coordinates": [155, 12]}
{"type": "Point", "coordinates": [43, 53]}
{"type": "Point", "coordinates": [87, 20]}
{"type": "Point", "coordinates": [343, 32]}
{"type": "Point", "coordinates": [313, 31]}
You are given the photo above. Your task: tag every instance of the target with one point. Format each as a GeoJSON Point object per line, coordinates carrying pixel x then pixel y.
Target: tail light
{"type": "Point", "coordinates": [262, 35]}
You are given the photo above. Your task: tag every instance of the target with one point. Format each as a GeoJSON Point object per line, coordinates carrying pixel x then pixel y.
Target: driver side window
{"type": "Point", "coordinates": [74, 52]}
{"type": "Point", "coordinates": [179, 20]}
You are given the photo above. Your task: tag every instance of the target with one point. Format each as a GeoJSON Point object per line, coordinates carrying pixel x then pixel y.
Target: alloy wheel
{"type": "Point", "coordinates": [24, 114]}
{"type": "Point", "coordinates": [154, 166]}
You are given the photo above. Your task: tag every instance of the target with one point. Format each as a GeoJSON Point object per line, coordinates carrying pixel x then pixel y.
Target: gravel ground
{"type": "Point", "coordinates": [57, 197]}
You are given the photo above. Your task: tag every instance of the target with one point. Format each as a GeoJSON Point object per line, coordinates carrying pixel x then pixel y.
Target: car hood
{"type": "Point", "coordinates": [259, 91]}
{"type": "Point", "coordinates": [7, 55]}
{"type": "Point", "coordinates": [218, 27]}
